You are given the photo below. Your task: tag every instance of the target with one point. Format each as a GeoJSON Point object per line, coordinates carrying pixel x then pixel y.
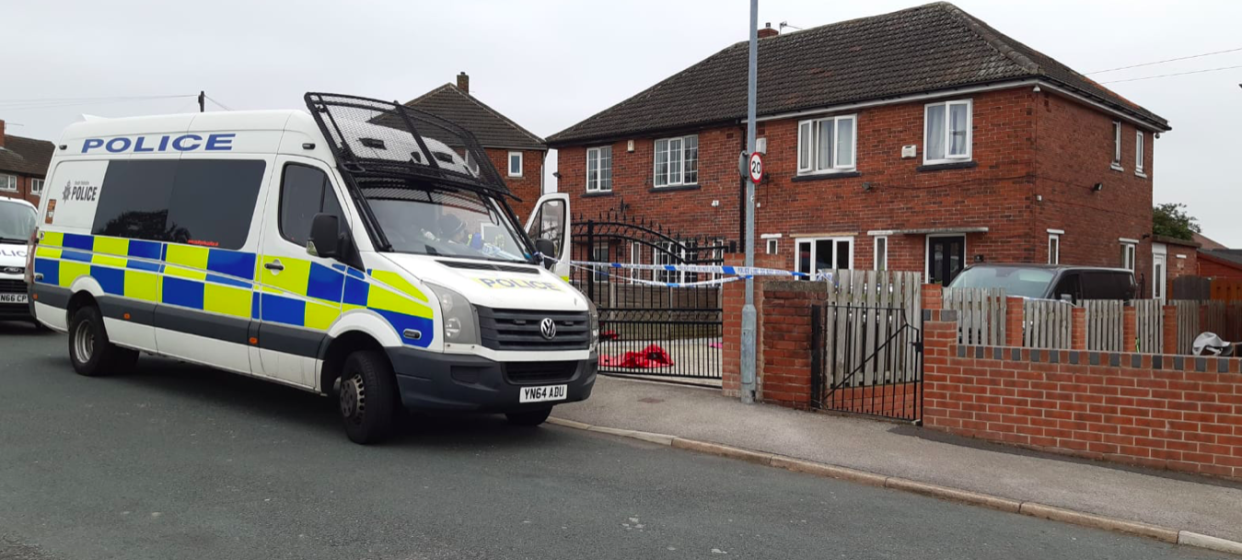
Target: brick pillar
{"type": "Point", "coordinates": [1169, 336]}
{"type": "Point", "coordinates": [1129, 329]}
{"type": "Point", "coordinates": [933, 296]}
{"type": "Point", "coordinates": [733, 295]}
{"type": "Point", "coordinates": [1015, 315]}
{"type": "Point", "coordinates": [1078, 328]}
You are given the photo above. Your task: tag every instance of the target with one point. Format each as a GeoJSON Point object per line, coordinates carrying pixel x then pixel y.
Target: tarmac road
{"type": "Point", "coordinates": [180, 461]}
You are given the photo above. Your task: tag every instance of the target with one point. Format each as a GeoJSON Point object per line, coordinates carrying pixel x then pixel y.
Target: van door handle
{"type": "Point", "coordinates": [274, 265]}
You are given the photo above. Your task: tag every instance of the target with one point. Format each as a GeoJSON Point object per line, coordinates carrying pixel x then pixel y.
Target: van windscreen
{"type": "Point", "coordinates": [1016, 281]}
{"type": "Point", "coordinates": [448, 222]}
{"type": "Point", "coordinates": [16, 222]}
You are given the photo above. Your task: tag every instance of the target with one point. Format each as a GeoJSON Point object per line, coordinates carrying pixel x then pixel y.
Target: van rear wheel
{"type": "Point", "coordinates": [90, 350]}
{"type": "Point", "coordinates": [367, 397]}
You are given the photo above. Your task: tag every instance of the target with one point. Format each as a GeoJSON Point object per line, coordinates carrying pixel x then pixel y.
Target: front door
{"type": "Point", "coordinates": [946, 256]}
{"type": "Point", "coordinates": [300, 293]}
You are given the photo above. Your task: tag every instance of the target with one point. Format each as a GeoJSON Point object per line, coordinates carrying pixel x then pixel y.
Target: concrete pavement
{"type": "Point", "coordinates": [178, 461]}
{"type": "Point", "coordinates": [1186, 502]}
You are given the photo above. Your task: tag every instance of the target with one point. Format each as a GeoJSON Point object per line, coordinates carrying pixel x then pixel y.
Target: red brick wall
{"type": "Point", "coordinates": [1074, 151]}
{"type": "Point", "coordinates": [1186, 265]}
{"type": "Point", "coordinates": [787, 342]}
{"type": "Point", "coordinates": [1019, 137]}
{"type": "Point", "coordinates": [528, 186]}
{"type": "Point", "coordinates": [1171, 412]}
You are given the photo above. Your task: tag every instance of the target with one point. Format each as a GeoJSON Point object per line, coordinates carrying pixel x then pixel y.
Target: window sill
{"type": "Point", "coordinates": [596, 194]}
{"type": "Point", "coordinates": [944, 166]}
{"type": "Point", "coordinates": [825, 176]}
{"type": "Point", "coordinates": [1140, 174]}
{"type": "Point", "coordinates": [1116, 167]}
{"type": "Point", "coordinates": [674, 188]}
{"type": "Point", "coordinates": [514, 177]}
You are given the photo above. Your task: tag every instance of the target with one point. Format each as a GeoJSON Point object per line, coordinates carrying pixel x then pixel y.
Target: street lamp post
{"type": "Point", "coordinates": [748, 310]}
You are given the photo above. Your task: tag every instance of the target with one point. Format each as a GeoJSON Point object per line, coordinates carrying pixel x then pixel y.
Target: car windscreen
{"type": "Point", "coordinates": [445, 222]}
{"type": "Point", "coordinates": [1016, 281]}
{"type": "Point", "coordinates": [17, 221]}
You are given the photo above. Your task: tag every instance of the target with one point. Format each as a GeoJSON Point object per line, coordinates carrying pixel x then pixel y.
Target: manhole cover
{"type": "Point", "coordinates": [650, 400]}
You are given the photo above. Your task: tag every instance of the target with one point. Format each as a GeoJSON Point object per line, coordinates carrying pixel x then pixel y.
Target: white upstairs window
{"type": "Point", "coordinates": [515, 164]}
{"type": "Point", "coordinates": [1117, 145]}
{"type": "Point", "coordinates": [599, 169]}
{"type": "Point", "coordinates": [827, 145]}
{"type": "Point", "coordinates": [677, 161]}
{"type": "Point", "coordinates": [1138, 153]}
{"type": "Point", "coordinates": [947, 132]}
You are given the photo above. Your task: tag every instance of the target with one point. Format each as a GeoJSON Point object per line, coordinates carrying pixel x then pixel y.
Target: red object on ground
{"type": "Point", "coordinates": [650, 357]}
{"type": "Point", "coordinates": [609, 335]}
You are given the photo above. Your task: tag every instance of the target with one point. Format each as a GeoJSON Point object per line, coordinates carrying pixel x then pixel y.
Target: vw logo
{"type": "Point", "coordinates": [547, 328]}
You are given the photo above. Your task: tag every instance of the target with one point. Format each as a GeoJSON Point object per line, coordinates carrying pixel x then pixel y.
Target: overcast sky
{"type": "Point", "coordinates": [550, 63]}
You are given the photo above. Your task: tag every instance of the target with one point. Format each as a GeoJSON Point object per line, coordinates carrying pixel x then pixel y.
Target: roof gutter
{"type": "Point", "coordinates": [968, 90]}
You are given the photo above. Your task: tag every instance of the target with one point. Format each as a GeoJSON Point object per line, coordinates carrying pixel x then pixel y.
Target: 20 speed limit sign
{"type": "Point", "coordinates": [756, 167]}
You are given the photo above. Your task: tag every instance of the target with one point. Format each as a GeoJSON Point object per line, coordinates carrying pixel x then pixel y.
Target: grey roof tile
{"type": "Point", "coordinates": [26, 156]}
{"type": "Point", "coordinates": [490, 128]}
{"type": "Point", "coordinates": [917, 50]}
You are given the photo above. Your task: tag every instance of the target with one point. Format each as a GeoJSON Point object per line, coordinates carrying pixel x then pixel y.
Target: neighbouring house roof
{"type": "Point", "coordinates": [918, 50]}
{"type": "Point", "coordinates": [490, 128]}
{"type": "Point", "coordinates": [1207, 242]}
{"type": "Point", "coordinates": [1175, 241]}
{"type": "Point", "coordinates": [1227, 256]}
{"type": "Point", "coordinates": [25, 156]}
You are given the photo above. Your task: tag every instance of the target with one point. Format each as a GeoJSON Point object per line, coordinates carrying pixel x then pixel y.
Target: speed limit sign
{"type": "Point", "coordinates": [756, 167]}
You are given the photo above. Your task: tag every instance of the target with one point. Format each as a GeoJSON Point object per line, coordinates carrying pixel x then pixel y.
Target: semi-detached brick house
{"type": "Point", "coordinates": [23, 166]}
{"type": "Point", "coordinates": [517, 153]}
{"type": "Point", "coordinates": [918, 140]}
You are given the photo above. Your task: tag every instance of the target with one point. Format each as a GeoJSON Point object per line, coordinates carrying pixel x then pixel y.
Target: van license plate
{"type": "Point", "coordinates": [545, 393]}
{"type": "Point", "coordinates": [12, 298]}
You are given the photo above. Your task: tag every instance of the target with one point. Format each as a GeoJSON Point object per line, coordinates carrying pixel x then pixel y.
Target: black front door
{"type": "Point", "coordinates": [946, 256]}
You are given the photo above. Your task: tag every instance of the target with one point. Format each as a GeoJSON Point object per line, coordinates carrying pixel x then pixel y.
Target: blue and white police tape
{"type": "Point", "coordinates": [745, 271]}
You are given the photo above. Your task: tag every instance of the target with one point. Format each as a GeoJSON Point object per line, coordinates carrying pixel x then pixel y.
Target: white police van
{"type": "Point", "coordinates": [17, 218]}
{"type": "Point", "coordinates": [365, 250]}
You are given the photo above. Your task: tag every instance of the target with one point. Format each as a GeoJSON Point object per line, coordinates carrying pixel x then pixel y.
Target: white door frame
{"type": "Point", "coordinates": [1160, 255]}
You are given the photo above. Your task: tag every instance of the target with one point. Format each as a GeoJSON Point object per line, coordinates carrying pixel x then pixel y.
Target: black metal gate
{"type": "Point", "coordinates": [866, 360]}
{"type": "Point", "coordinates": [648, 329]}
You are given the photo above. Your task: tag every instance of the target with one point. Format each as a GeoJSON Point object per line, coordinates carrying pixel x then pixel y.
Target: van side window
{"type": "Point", "coordinates": [1068, 285]}
{"type": "Point", "coordinates": [213, 202]}
{"type": "Point", "coordinates": [304, 192]}
{"type": "Point", "coordinates": [200, 202]}
{"type": "Point", "coordinates": [133, 199]}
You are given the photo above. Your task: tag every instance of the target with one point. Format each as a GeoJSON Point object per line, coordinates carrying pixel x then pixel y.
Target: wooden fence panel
{"type": "Point", "coordinates": [1149, 314]}
{"type": "Point", "coordinates": [1105, 319]}
{"type": "Point", "coordinates": [980, 315]}
{"type": "Point", "coordinates": [871, 307]}
{"type": "Point", "coordinates": [1047, 324]}
{"type": "Point", "coordinates": [1187, 326]}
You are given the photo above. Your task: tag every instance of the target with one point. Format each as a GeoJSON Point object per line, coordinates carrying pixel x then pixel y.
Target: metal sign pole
{"type": "Point", "coordinates": [748, 311]}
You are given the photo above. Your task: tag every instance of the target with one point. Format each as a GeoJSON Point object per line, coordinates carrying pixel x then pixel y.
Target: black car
{"type": "Point", "coordinates": [1060, 282]}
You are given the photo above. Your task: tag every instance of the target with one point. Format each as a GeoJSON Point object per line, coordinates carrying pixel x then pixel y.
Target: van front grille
{"type": "Point", "coordinates": [13, 286]}
{"type": "Point", "coordinates": [526, 373]}
{"type": "Point", "coordinates": [519, 329]}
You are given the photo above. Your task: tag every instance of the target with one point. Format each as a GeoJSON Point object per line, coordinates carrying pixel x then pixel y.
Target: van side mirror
{"type": "Point", "coordinates": [547, 248]}
{"type": "Point", "coordinates": [325, 237]}
{"type": "Point", "coordinates": [1067, 298]}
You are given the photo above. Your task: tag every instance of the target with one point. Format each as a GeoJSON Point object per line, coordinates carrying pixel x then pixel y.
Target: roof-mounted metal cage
{"type": "Point", "coordinates": [372, 138]}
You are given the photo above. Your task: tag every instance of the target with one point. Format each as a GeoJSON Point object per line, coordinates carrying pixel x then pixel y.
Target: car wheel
{"type": "Point", "coordinates": [367, 397]}
{"type": "Point", "coordinates": [529, 417]}
{"type": "Point", "coordinates": [90, 350]}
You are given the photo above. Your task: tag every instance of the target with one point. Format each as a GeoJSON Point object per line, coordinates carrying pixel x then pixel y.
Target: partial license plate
{"type": "Point", "coordinates": [12, 298]}
{"type": "Point", "coordinates": [544, 393]}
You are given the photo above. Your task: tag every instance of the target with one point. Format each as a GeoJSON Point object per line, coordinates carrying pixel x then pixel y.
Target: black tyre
{"type": "Point", "coordinates": [367, 397]}
{"type": "Point", "coordinates": [91, 351]}
{"type": "Point", "coordinates": [529, 417]}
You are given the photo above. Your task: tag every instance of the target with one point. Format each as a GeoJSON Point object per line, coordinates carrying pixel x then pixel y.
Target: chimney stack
{"type": "Point", "coordinates": [463, 82]}
{"type": "Point", "coordinates": [767, 31]}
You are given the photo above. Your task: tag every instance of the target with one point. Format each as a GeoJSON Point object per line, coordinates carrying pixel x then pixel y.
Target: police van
{"type": "Point", "coordinates": [17, 218]}
{"type": "Point", "coordinates": [362, 249]}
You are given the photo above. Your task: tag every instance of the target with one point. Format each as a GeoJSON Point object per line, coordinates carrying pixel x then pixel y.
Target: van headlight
{"type": "Point", "coordinates": [593, 312]}
{"type": "Point", "coordinates": [460, 324]}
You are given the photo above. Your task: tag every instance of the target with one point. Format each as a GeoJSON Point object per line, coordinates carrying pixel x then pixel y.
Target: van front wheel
{"type": "Point", "coordinates": [367, 397]}
{"type": "Point", "coordinates": [90, 350]}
